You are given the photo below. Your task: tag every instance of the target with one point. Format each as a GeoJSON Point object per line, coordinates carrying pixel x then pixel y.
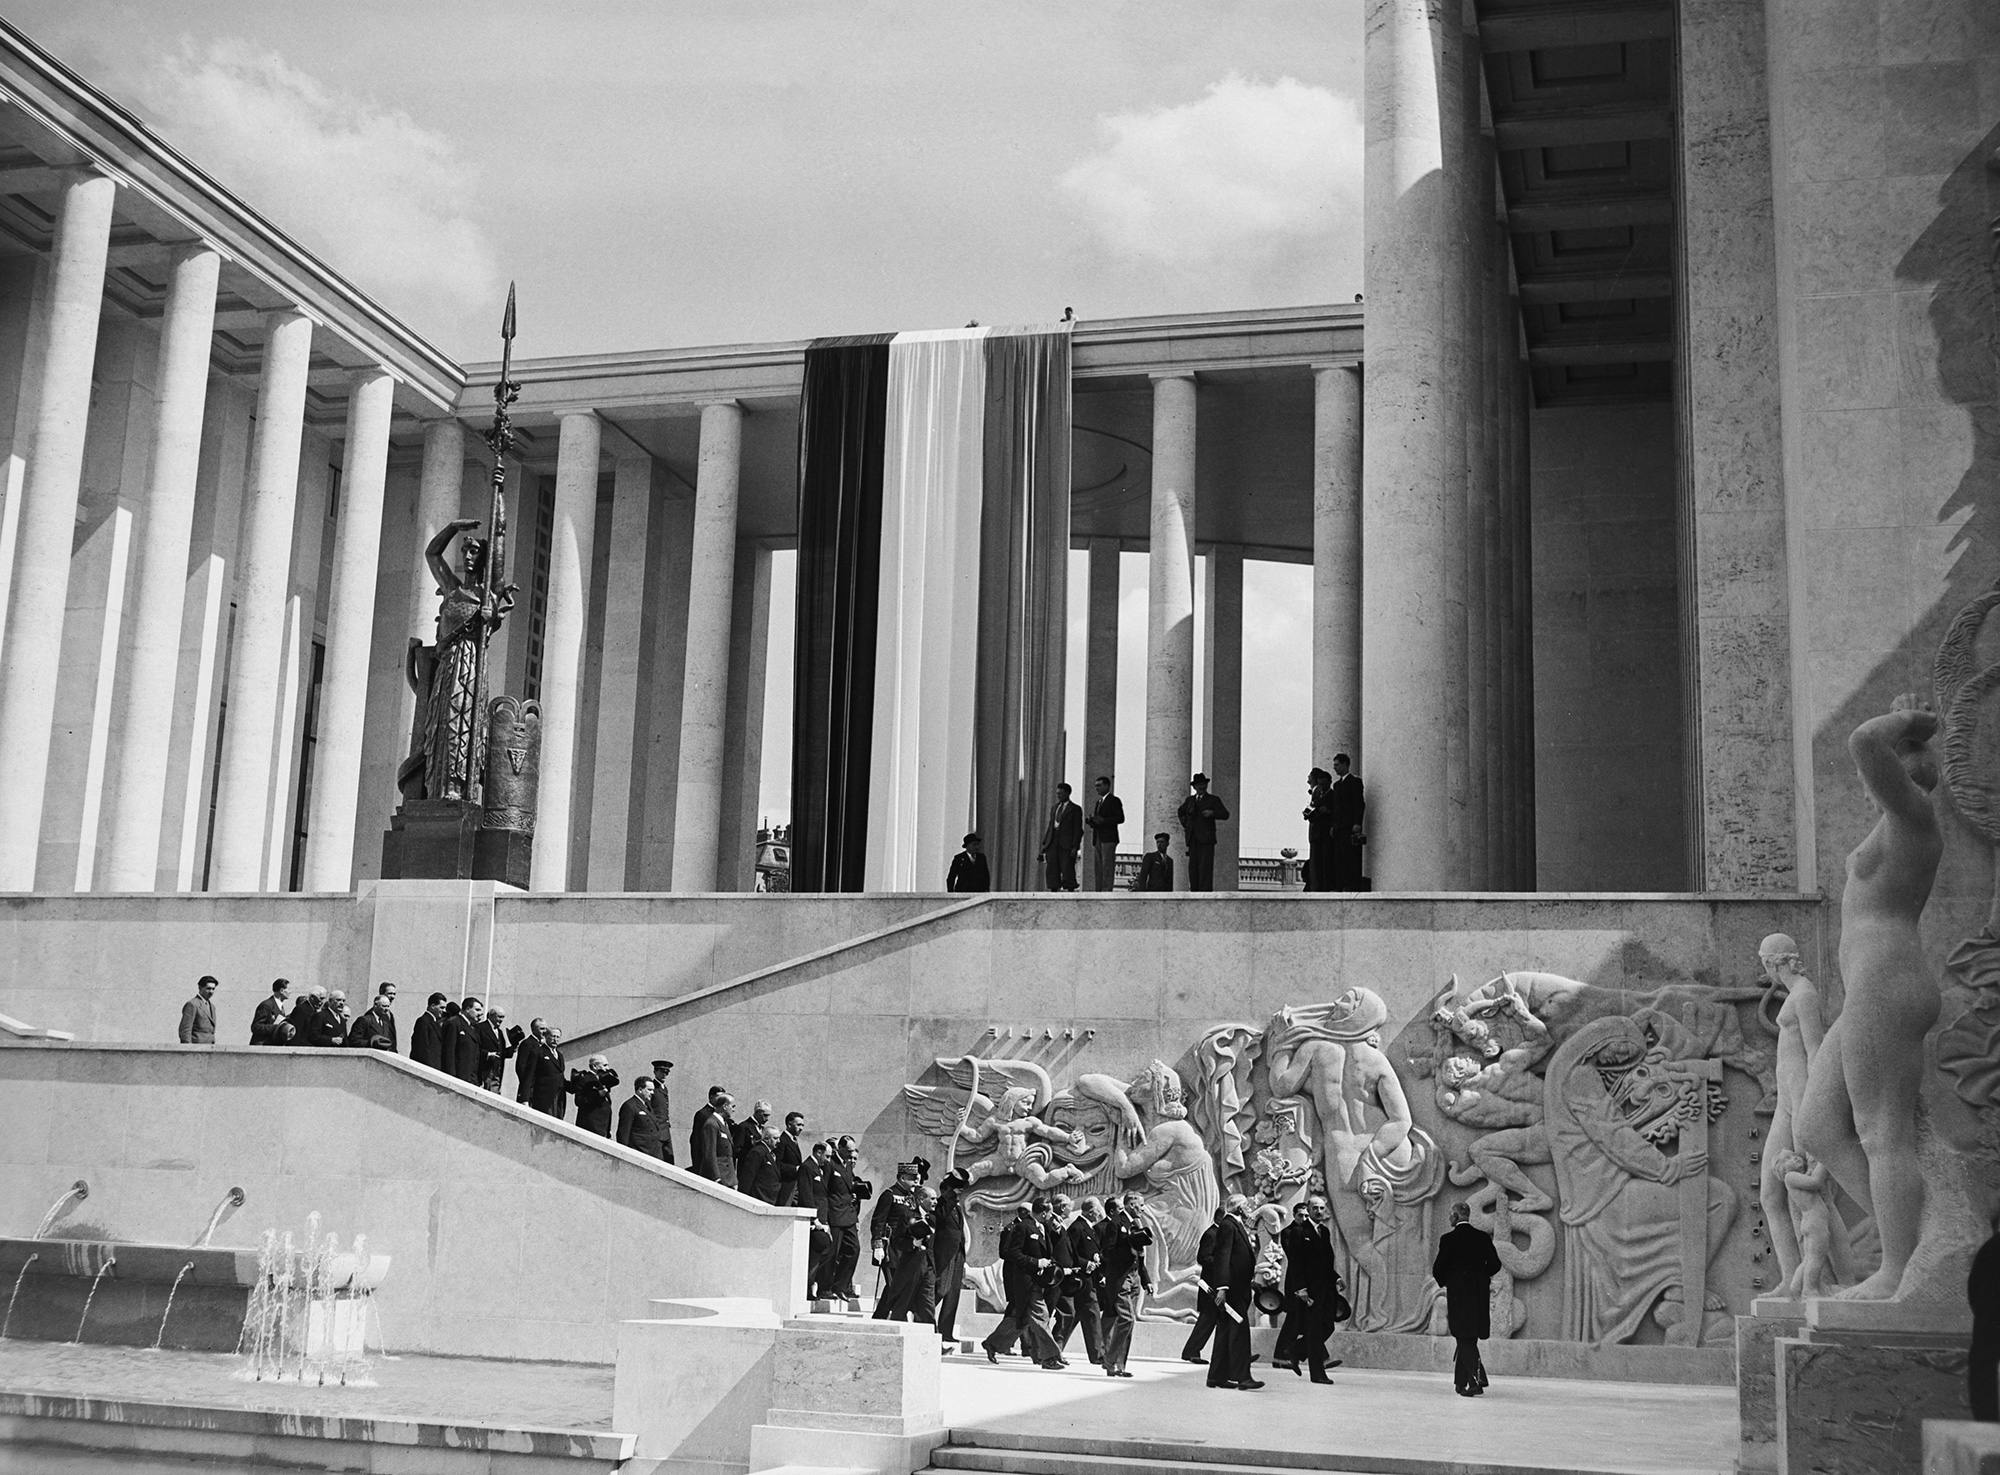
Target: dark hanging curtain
{"type": "Point", "coordinates": [841, 410]}
{"type": "Point", "coordinates": [1023, 599]}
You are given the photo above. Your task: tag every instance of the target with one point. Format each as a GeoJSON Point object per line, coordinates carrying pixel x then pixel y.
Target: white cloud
{"type": "Point", "coordinates": [1250, 170]}
{"type": "Point", "coordinates": [385, 200]}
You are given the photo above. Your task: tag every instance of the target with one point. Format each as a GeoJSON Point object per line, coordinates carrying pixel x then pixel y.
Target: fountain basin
{"type": "Point", "coordinates": [132, 1293]}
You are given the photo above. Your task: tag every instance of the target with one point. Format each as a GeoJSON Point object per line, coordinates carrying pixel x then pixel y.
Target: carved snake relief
{"type": "Point", "coordinates": [1959, 691]}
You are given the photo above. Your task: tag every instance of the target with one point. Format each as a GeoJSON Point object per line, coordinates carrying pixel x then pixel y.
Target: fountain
{"type": "Point", "coordinates": [77, 1192]}
{"type": "Point", "coordinates": [230, 1200]}
{"type": "Point", "coordinates": [8, 1320]}
{"type": "Point", "coordinates": [307, 1316]}
{"type": "Point", "coordinates": [102, 1271]}
{"type": "Point", "coordinates": [171, 1292]}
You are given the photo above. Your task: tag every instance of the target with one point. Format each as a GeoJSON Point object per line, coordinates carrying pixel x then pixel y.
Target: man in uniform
{"type": "Point", "coordinates": [900, 1230]}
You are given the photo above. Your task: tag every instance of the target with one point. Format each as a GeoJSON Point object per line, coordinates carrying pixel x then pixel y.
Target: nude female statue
{"type": "Point", "coordinates": [1801, 1031]}
{"type": "Point", "coordinates": [1859, 1116]}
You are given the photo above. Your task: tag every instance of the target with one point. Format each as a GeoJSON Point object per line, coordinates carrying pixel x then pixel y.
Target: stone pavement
{"type": "Point", "coordinates": [1414, 1419]}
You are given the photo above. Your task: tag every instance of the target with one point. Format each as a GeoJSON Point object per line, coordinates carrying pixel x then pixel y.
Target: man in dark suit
{"type": "Point", "coordinates": [702, 1141]}
{"type": "Point", "coordinates": [375, 1027]}
{"type": "Point", "coordinates": [899, 1233]}
{"type": "Point", "coordinates": [330, 1022]}
{"type": "Point", "coordinates": [427, 1034]}
{"type": "Point", "coordinates": [497, 1045]}
{"type": "Point", "coordinates": [969, 871]}
{"type": "Point", "coordinates": [638, 1128]}
{"type": "Point", "coordinates": [792, 1151]}
{"type": "Point", "coordinates": [1077, 1293]}
{"type": "Point", "coordinates": [461, 1041]}
{"type": "Point", "coordinates": [1156, 867]}
{"type": "Point", "coordinates": [1106, 815]}
{"type": "Point", "coordinates": [1225, 1274]}
{"type": "Point", "coordinates": [1318, 868]}
{"type": "Point", "coordinates": [1121, 1241]}
{"type": "Point", "coordinates": [1207, 1310]}
{"type": "Point", "coordinates": [1027, 1269]}
{"type": "Point", "coordinates": [1350, 808]}
{"type": "Point", "coordinates": [663, 1103]}
{"type": "Point", "coordinates": [198, 1013]}
{"type": "Point", "coordinates": [271, 1023]}
{"type": "Point", "coordinates": [1311, 1283]}
{"type": "Point", "coordinates": [949, 1237]}
{"type": "Point", "coordinates": [812, 1195]}
{"type": "Point", "coordinates": [846, 1191]}
{"type": "Point", "coordinates": [538, 1069]}
{"type": "Point", "coordinates": [1062, 837]}
{"type": "Point", "coordinates": [741, 1134]}
{"type": "Point", "coordinates": [592, 1084]}
{"type": "Point", "coordinates": [757, 1165]}
{"type": "Point", "coordinates": [1199, 813]}
{"type": "Point", "coordinates": [307, 1011]}
{"type": "Point", "coordinates": [1465, 1266]}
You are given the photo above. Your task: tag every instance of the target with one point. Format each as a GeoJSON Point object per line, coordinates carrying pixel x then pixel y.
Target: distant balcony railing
{"type": "Point", "coordinates": [1253, 872]}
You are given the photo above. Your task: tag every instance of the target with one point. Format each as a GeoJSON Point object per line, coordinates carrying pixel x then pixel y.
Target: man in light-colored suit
{"type": "Point", "coordinates": [198, 1013]}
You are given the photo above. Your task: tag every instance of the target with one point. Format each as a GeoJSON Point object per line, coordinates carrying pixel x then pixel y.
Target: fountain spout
{"type": "Point", "coordinates": [77, 1192]}
{"type": "Point", "coordinates": [230, 1200]}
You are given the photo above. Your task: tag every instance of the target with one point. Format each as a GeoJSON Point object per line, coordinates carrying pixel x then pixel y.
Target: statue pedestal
{"type": "Point", "coordinates": [441, 840]}
{"type": "Point", "coordinates": [1853, 1396]}
{"type": "Point", "coordinates": [1771, 1317]}
{"type": "Point", "coordinates": [431, 840]}
{"type": "Point", "coordinates": [503, 855]}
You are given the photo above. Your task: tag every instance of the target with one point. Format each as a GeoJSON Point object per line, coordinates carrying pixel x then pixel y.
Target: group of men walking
{"type": "Point", "coordinates": [1065, 1268]}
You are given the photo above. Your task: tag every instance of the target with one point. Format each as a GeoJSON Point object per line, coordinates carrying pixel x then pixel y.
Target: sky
{"type": "Point", "coordinates": [659, 174]}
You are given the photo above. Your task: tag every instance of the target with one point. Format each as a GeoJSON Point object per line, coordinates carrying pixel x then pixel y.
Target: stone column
{"type": "Point", "coordinates": [1336, 687]}
{"type": "Point", "coordinates": [743, 754]}
{"type": "Point", "coordinates": [1520, 550]}
{"type": "Point", "coordinates": [145, 708]}
{"type": "Point", "coordinates": [39, 590]}
{"type": "Point", "coordinates": [263, 576]}
{"type": "Point", "coordinates": [705, 699]}
{"type": "Point", "coordinates": [575, 526]}
{"type": "Point", "coordinates": [1476, 395]}
{"type": "Point", "coordinates": [623, 690]}
{"type": "Point", "coordinates": [1100, 698]}
{"type": "Point", "coordinates": [350, 634]}
{"type": "Point", "coordinates": [1406, 712]}
{"type": "Point", "coordinates": [1170, 610]}
{"type": "Point", "coordinates": [1222, 701]}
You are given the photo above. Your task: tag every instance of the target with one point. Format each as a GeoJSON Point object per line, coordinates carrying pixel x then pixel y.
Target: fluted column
{"type": "Point", "coordinates": [1336, 686]}
{"type": "Point", "coordinates": [263, 578]}
{"type": "Point", "coordinates": [1170, 608]}
{"type": "Point", "coordinates": [563, 625]}
{"type": "Point", "coordinates": [1100, 692]}
{"type": "Point", "coordinates": [145, 702]}
{"type": "Point", "coordinates": [1405, 712]}
{"type": "Point", "coordinates": [350, 634]}
{"type": "Point", "coordinates": [31, 644]}
{"type": "Point", "coordinates": [705, 699]}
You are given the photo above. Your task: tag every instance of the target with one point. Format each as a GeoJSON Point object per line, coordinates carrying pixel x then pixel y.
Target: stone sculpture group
{"type": "Point", "coordinates": [1580, 1118]}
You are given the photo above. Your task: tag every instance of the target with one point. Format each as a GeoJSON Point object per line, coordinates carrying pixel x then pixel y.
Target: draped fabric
{"type": "Point", "coordinates": [841, 412]}
{"type": "Point", "coordinates": [932, 594]}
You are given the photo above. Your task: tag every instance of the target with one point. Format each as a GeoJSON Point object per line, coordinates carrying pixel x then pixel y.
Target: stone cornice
{"type": "Point", "coordinates": [107, 137]}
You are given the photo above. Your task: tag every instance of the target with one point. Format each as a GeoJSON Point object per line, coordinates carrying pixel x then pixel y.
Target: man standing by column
{"type": "Point", "coordinates": [1156, 867]}
{"type": "Point", "coordinates": [1199, 813]}
{"type": "Point", "coordinates": [1105, 817]}
{"type": "Point", "coordinates": [1349, 809]}
{"type": "Point", "coordinates": [1061, 841]}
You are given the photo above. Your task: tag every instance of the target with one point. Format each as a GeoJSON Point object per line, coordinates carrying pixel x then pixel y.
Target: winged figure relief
{"type": "Point", "coordinates": [1005, 1133]}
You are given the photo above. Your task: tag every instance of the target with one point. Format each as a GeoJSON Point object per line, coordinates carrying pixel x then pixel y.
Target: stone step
{"type": "Point", "coordinates": [991, 1452]}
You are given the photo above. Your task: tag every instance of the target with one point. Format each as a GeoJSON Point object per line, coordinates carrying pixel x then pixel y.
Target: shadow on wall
{"type": "Point", "coordinates": [1949, 412]}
